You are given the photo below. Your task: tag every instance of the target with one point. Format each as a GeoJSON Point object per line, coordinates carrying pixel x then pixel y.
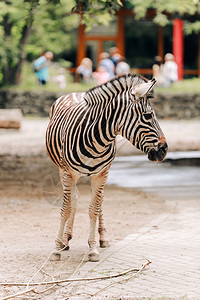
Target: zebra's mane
{"type": "Point", "coordinates": [120, 84]}
{"type": "Point", "coordinates": [126, 81]}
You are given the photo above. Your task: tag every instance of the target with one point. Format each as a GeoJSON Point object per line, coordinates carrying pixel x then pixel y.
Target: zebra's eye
{"type": "Point", "coordinates": [148, 116]}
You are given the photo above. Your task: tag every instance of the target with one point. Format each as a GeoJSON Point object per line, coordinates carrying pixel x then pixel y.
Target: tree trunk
{"type": "Point", "coordinates": [24, 40]}
{"type": "Point", "coordinates": [12, 75]}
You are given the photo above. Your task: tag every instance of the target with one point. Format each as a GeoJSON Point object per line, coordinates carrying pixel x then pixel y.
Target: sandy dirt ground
{"type": "Point", "coordinates": [30, 195]}
{"type": "Point", "coordinates": [30, 217]}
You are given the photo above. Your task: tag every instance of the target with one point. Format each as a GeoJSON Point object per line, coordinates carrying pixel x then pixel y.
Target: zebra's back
{"type": "Point", "coordinates": [73, 138]}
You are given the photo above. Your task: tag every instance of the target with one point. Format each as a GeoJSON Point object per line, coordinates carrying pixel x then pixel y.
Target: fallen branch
{"type": "Point", "coordinates": [113, 283]}
{"type": "Point", "coordinates": [125, 279]}
{"type": "Point", "coordinates": [72, 279]}
{"type": "Point", "coordinates": [54, 282]}
{"type": "Point", "coordinates": [18, 294]}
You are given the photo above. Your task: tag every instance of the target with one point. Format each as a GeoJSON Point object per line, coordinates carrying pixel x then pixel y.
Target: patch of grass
{"type": "Point", "coordinates": [189, 86]}
{"type": "Point", "coordinates": [29, 81]}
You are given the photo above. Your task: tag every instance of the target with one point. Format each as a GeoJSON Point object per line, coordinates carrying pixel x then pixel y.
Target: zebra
{"type": "Point", "coordinates": [81, 141]}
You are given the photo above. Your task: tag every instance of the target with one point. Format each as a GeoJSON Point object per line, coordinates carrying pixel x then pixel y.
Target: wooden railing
{"type": "Point", "coordinates": [140, 71]}
{"type": "Point", "coordinates": [149, 71]}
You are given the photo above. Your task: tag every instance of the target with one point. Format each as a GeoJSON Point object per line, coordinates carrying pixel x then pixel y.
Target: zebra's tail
{"type": "Point", "coordinates": [51, 112]}
{"type": "Point", "coordinates": [54, 105]}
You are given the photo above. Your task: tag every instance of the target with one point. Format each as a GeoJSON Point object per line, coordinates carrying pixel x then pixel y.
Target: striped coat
{"type": "Point", "coordinates": [81, 140]}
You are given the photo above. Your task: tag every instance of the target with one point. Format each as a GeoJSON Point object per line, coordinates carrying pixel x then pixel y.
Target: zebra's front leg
{"type": "Point", "coordinates": [97, 186]}
{"type": "Point", "coordinates": [67, 214]}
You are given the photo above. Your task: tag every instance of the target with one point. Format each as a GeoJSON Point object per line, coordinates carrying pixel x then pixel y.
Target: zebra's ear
{"type": "Point", "coordinates": [144, 88]}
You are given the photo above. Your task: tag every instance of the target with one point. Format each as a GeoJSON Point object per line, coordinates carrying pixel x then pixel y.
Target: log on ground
{"type": "Point", "coordinates": [10, 118]}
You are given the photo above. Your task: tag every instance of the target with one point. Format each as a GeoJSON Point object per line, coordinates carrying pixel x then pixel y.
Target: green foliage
{"type": "Point", "coordinates": [14, 18]}
{"type": "Point", "coordinates": [11, 23]}
{"type": "Point", "coordinates": [52, 29]}
{"type": "Point", "coordinates": [177, 8]}
{"type": "Point", "coordinates": [52, 24]}
{"type": "Point", "coordinates": [29, 81]}
{"type": "Point", "coordinates": [101, 11]}
{"type": "Point", "coordinates": [65, 63]}
{"type": "Point", "coordinates": [192, 27]}
{"type": "Point", "coordinates": [95, 12]}
{"type": "Point", "coordinates": [188, 86]}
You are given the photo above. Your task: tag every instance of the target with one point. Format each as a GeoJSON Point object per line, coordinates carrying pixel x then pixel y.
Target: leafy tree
{"type": "Point", "coordinates": [53, 30]}
{"type": "Point", "coordinates": [169, 9]}
{"type": "Point", "coordinates": [13, 34]}
{"type": "Point", "coordinates": [97, 11]}
{"type": "Point", "coordinates": [16, 22]}
{"type": "Point", "coordinates": [31, 26]}
{"type": "Point", "coordinates": [101, 11]}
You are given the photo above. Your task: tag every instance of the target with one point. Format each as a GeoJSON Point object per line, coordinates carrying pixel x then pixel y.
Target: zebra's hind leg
{"type": "Point", "coordinates": [97, 185]}
{"type": "Point", "coordinates": [67, 213]}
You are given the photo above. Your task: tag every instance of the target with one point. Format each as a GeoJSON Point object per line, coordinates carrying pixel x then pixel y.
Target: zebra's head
{"type": "Point", "coordinates": [139, 123]}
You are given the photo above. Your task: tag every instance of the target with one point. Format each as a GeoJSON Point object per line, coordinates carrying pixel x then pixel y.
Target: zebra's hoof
{"type": "Point", "coordinates": [61, 246]}
{"type": "Point", "coordinates": [56, 256]}
{"type": "Point", "coordinates": [64, 248]}
{"type": "Point", "coordinates": [93, 256]}
{"type": "Point", "coordinates": [104, 244]}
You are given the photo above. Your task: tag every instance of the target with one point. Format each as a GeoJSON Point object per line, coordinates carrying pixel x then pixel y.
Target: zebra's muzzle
{"type": "Point", "coordinates": [159, 153]}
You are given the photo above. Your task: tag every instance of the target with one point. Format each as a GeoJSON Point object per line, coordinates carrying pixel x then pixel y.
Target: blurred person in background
{"type": "Point", "coordinates": [60, 79]}
{"type": "Point", "coordinates": [122, 67]}
{"type": "Point", "coordinates": [101, 75]}
{"type": "Point", "coordinates": [157, 69]}
{"type": "Point", "coordinates": [107, 63]}
{"type": "Point", "coordinates": [170, 70]}
{"type": "Point", "coordinates": [115, 55]}
{"type": "Point", "coordinates": [84, 70]}
{"type": "Point", "coordinates": [41, 67]}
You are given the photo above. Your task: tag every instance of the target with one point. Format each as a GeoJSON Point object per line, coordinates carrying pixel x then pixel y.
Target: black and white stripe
{"type": "Point", "coordinates": [83, 126]}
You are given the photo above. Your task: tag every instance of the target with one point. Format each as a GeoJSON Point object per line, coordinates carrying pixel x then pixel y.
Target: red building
{"type": "Point", "coordinates": [156, 40]}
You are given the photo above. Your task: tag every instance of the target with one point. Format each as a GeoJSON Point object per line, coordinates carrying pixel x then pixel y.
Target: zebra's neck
{"type": "Point", "coordinates": [104, 112]}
